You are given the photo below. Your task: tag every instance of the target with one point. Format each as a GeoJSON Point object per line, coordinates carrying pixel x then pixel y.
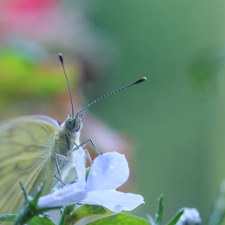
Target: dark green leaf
{"type": "Point", "coordinates": [38, 220]}
{"type": "Point", "coordinates": [118, 219]}
{"type": "Point", "coordinates": [159, 211]}
{"type": "Point", "coordinates": [174, 220]}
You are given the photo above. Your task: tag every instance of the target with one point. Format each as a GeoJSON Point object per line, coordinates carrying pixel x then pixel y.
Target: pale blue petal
{"type": "Point", "coordinates": [113, 200]}
{"type": "Point", "coordinates": [108, 171]}
{"type": "Point", "coordinates": [80, 164]}
{"type": "Point", "coordinates": [67, 195]}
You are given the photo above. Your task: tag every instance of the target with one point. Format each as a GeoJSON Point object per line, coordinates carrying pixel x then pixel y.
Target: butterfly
{"type": "Point", "coordinates": [35, 148]}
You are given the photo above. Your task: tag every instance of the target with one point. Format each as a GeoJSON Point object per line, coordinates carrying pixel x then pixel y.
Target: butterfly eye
{"type": "Point", "coordinates": [70, 124]}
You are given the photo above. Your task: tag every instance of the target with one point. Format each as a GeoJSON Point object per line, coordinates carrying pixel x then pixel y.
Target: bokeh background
{"type": "Point", "coordinates": [171, 127]}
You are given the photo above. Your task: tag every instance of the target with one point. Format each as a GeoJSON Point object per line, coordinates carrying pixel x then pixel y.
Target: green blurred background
{"type": "Point", "coordinates": [175, 120]}
{"type": "Point", "coordinates": [179, 128]}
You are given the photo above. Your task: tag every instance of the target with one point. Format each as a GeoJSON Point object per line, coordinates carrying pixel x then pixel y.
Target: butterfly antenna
{"type": "Point", "coordinates": [68, 83]}
{"type": "Point", "coordinates": [113, 92]}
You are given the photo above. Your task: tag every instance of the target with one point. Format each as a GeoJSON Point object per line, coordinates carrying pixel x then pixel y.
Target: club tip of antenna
{"type": "Point", "coordinates": [144, 78]}
{"type": "Point", "coordinates": [140, 80]}
{"type": "Point", "coordinates": [61, 58]}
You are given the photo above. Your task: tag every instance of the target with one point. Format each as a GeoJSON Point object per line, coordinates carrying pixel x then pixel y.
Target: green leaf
{"type": "Point", "coordinates": [159, 211]}
{"type": "Point", "coordinates": [7, 217]}
{"type": "Point", "coordinates": [38, 220]}
{"type": "Point", "coordinates": [82, 212]}
{"type": "Point", "coordinates": [118, 219]}
{"type": "Point", "coordinates": [174, 220]}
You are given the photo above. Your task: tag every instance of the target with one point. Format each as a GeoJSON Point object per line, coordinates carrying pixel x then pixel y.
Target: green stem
{"type": "Point", "coordinates": [64, 220]}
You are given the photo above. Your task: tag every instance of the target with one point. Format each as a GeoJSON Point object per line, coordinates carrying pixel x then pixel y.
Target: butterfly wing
{"type": "Point", "coordinates": [26, 146]}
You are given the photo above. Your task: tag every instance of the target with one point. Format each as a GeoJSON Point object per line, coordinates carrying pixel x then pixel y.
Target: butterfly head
{"type": "Point", "coordinates": [74, 124]}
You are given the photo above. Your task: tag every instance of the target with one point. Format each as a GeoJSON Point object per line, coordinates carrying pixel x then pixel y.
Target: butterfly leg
{"type": "Point", "coordinates": [92, 143]}
{"type": "Point", "coordinates": [56, 157]}
{"type": "Point", "coordinates": [88, 157]}
{"type": "Point", "coordinates": [86, 151]}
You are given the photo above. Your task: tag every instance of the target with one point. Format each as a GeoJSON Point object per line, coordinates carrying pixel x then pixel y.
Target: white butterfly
{"type": "Point", "coordinates": [33, 148]}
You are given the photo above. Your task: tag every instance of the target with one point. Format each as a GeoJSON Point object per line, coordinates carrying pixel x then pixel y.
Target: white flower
{"type": "Point", "coordinates": [190, 216]}
{"type": "Point", "coordinates": [108, 172]}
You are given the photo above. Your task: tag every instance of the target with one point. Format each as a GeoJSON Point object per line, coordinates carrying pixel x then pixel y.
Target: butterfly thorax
{"type": "Point", "coordinates": [64, 139]}
{"type": "Point", "coordinates": [68, 136]}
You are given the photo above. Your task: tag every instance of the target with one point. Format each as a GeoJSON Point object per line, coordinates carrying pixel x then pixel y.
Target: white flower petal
{"type": "Point", "coordinates": [108, 171]}
{"type": "Point", "coordinates": [80, 164]}
{"type": "Point", "coordinates": [67, 195]}
{"type": "Point", "coordinates": [113, 200]}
